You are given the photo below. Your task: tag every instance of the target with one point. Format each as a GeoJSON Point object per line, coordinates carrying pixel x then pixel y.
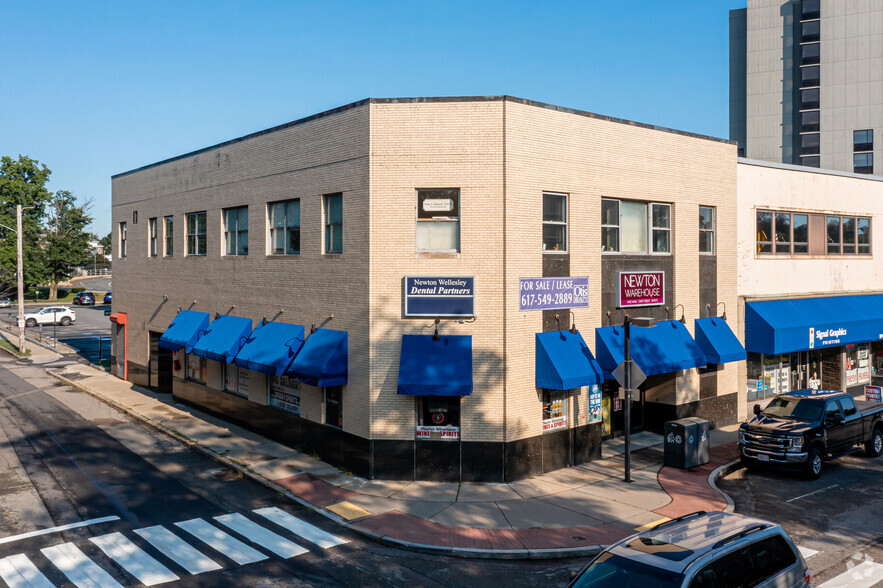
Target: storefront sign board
{"type": "Point", "coordinates": [440, 433]}
{"type": "Point", "coordinates": [555, 423]}
{"type": "Point", "coordinates": [439, 296]}
{"type": "Point", "coordinates": [874, 393]}
{"type": "Point", "coordinates": [637, 289]}
{"type": "Point", "coordinates": [594, 403]}
{"type": "Point", "coordinates": [553, 293]}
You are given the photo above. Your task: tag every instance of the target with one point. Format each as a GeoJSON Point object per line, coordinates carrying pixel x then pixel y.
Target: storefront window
{"type": "Point", "coordinates": [196, 368]}
{"type": "Point", "coordinates": [768, 375]}
{"type": "Point", "coordinates": [284, 393]}
{"type": "Point", "coordinates": [858, 365]}
{"type": "Point", "coordinates": [334, 406]}
{"type": "Point", "coordinates": [554, 409]}
{"type": "Point", "coordinates": [438, 417]}
{"type": "Point", "coordinates": [235, 380]}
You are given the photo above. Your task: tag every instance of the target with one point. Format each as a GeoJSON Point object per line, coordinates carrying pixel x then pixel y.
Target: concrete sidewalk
{"type": "Point", "coordinates": [569, 512]}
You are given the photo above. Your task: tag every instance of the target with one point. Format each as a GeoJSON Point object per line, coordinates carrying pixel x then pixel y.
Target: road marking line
{"type": "Point", "coordinates": [864, 575]}
{"type": "Point", "coordinates": [806, 552]}
{"type": "Point", "coordinates": [78, 568]}
{"type": "Point", "coordinates": [222, 542]}
{"type": "Point", "coordinates": [298, 527]}
{"type": "Point", "coordinates": [133, 559]}
{"type": "Point", "coordinates": [12, 538]}
{"type": "Point", "coordinates": [178, 550]}
{"type": "Point", "coordinates": [263, 537]}
{"type": "Point", "coordinates": [811, 493]}
{"type": "Point", "coordinates": [19, 572]}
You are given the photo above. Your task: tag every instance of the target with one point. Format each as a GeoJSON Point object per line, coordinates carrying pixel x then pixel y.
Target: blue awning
{"type": "Point", "coordinates": [564, 361]}
{"type": "Point", "coordinates": [185, 330]}
{"type": "Point", "coordinates": [270, 348]}
{"type": "Point", "coordinates": [784, 326]}
{"type": "Point", "coordinates": [660, 349]}
{"type": "Point", "coordinates": [717, 341]}
{"type": "Point", "coordinates": [436, 368]}
{"type": "Point", "coordinates": [323, 360]}
{"type": "Point", "coordinates": [223, 339]}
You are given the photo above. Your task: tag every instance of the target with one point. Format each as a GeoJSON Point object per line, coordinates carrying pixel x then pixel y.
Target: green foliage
{"type": "Point", "coordinates": [22, 181]}
{"type": "Point", "coordinates": [106, 241]}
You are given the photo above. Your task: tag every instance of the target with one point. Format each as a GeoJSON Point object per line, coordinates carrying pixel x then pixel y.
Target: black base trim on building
{"type": "Point", "coordinates": [718, 410]}
{"type": "Point", "coordinates": [443, 461]}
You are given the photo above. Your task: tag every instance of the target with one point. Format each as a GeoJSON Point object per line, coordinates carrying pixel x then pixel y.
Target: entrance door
{"type": "Point", "coordinates": [159, 366]}
{"type": "Point", "coordinates": [121, 351]}
{"type": "Point", "coordinates": [153, 361]}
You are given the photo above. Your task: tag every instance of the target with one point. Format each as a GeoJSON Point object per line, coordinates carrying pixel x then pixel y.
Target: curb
{"type": "Point", "coordinates": [462, 552]}
{"type": "Point", "coordinates": [718, 473]}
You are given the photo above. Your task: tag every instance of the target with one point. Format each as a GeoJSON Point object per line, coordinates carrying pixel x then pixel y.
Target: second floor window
{"type": "Point", "coordinates": [786, 233]}
{"type": "Point", "coordinates": [236, 231]}
{"type": "Point", "coordinates": [169, 228]}
{"type": "Point", "coordinates": [196, 233]}
{"type": "Point", "coordinates": [635, 227]}
{"type": "Point", "coordinates": [122, 239]}
{"type": "Point", "coordinates": [284, 227]}
{"type": "Point", "coordinates": [151, 229]}
{"type": "Point", "coordinates": [706, 229]}
{"type": "Point", "coordinates": [438, 220]}
{"type": "Point", "coordinates": [333, 211]}
{"type": "Point", "coordinates": [554, 222]}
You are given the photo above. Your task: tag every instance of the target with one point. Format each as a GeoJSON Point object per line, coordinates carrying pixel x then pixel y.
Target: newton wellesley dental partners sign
{"type": "Point", "coordinates": [440, 296]}
{"type": "Point", "coordinates": [641, 289]}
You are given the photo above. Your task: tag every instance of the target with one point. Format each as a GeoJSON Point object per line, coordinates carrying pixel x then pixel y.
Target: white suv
{"type": "Point", "coordinates": [51, 315]}
{"type": "Point", "coordinates": [701, 550]}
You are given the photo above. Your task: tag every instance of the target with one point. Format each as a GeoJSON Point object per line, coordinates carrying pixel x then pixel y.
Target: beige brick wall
{"type": "Point", "coordinates": [321, 156]}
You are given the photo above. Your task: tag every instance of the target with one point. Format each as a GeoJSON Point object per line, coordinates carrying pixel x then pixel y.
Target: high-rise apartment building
{"type": "Point", "coordinates": [806, 82]}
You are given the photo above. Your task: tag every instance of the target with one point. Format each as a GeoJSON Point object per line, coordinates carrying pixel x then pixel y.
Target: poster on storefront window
{"type": "Point", "coordinates": [594, 403]}
{"type": "Point", "coordinates": [285, 394]}
{"type": "Point", "coordinates": [439, 433]}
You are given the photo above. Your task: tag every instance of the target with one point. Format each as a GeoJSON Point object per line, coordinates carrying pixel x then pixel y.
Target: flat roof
{"type": "Point", "coordinates": [806, 169]}
{"type": "Point", "coordinates": [434, 99]}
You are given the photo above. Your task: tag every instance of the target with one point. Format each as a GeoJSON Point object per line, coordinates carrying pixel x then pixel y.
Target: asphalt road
{"type": "Point", "coordinates": [98, 284]}
{"type": "Point", "coordinates": [89, 334]}
{"type": "Point", "coordinates": [65, 459]}
{"type": "Point", "coordinates": [840, 515]}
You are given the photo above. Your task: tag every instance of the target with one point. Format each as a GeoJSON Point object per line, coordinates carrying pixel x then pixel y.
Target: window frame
{"type": "Point", "coordinates": [857, 247]}
{"type": "Point", "coordinates": [428, 220]}
{"type": "Point", "coordinates": [152, 236]}
{"type": "Point", "coordinates": [196, 234]}
{"type": "Point", "coordinates": [286, 228]}
{"type": "Point", "coordinates": [168, 236]}
{"type": "Point", "coordinates": [710, 232]}
{"type": "Point", "coordinates": [556, 223]}
{"type": "Point", "coordinates": [123, 234]}
{"type": "Point", "coordinates": [236, 234]}
{"type": "Point", "coordinates": [650, 241]}
{"type": "Point", "coordinates": [448, 427]}
{"type": "Point", "coordinates": [325, 401]}
{"type": "Point", "coordinates": [554, 417]}
{"type": "Point", "coordinates": [330, 247]}
{"type": "Point", "coordinates": [201, 367]}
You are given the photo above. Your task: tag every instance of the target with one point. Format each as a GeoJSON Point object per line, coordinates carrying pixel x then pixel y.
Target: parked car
{"type": "Point", "coordinates": [5, 302]}
{"type": "Point", "coordinates": [108, 298]}
{"type": "Point", "coordinates": [61, 315]}
{"type": "Point", "coordinates": [84, 298]}
{"type": "Point", "coordinates": [700, 550]}
{"type": "Point", "coordinates": [801, 429]}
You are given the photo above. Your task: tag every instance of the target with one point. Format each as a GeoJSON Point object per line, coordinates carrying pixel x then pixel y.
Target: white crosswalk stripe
{"type": "Point", "coordinates": [79, 569]}
{"type": "Point", "coordinates": [222, 542]}
{"type": "Point", "coordinates": [178, 550]}
{"type": "Point", "coordinates": [863, 575]}
{"type": "Point", "coordinates": [19, 572]}
{"type": "Point", "coordinates": [261, 536]}
{"type": "Point", "coordinates": [299, 527]}
{"type": "Point", "coordinates": [133, 559]}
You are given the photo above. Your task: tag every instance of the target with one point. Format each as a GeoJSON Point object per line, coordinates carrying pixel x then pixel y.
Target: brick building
{"type": "Point", "coordinates": [318, 225]}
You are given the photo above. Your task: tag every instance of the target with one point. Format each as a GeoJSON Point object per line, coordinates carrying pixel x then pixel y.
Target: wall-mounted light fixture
{"type": "Point", "coordinates": [313, 327]}
{"type": "Point", "coordinates": [670, 310]}
{"type": "Point", "coordinates": [724, 315]}
{"type": "Point", "coordinates": [165, 297]}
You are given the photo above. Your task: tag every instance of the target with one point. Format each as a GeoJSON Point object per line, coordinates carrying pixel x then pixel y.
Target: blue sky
{"type": "Point", "coordinates": [93, 89]}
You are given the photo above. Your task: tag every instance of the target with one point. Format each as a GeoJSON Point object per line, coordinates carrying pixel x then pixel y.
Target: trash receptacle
{"type": "Point", "coordinates": [686, 442]}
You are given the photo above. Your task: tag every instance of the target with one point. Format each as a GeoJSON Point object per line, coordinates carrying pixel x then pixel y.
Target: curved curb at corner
{"type": "Point", "coordinates": [718, 473]}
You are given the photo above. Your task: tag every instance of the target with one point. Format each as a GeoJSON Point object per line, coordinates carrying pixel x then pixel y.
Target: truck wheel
{"type": "Point", "coordinates": [31, 323]}
{"type": "Point", "coordinates": [814, 464]}
{"type": "Point", "coordinates": [65, 321]}
{"type": "Point", "coordinates": [874, 446]}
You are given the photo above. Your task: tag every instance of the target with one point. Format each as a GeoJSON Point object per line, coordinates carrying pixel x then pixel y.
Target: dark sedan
{"type": "Point", "coordinates": [84, 298]}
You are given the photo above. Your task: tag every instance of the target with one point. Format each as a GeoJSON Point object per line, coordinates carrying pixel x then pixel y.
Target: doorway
{"type": "Point", "coordinates": [159, 366]}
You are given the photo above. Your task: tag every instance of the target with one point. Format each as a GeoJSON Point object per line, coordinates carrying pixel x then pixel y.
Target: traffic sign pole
{"type": "Point", "coordinates": [626, 323]}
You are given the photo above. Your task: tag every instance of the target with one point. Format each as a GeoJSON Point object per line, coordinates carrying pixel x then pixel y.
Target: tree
{"type": "Point", "coordinates": [105, 242]}
{"type": "Point", "coordinates": [67, 242]}
{"type": "Point", "coordinates": [22, 181]}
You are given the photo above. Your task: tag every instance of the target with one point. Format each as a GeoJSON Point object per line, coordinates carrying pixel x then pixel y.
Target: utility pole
{"type": "Point", "coordinates": [21, 281]}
